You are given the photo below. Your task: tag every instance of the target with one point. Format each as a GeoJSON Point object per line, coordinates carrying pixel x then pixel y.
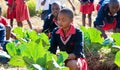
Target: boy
{"type": "Point", "coordinates": [108, 17]}
{"type": "Point", "coordinates": [51, 20]}
{"type": "Point", "coordinates": [68, 39]}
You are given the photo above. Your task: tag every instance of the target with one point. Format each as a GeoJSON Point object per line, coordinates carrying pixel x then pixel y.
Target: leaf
{"type": "Point", "coordinates": [17, 61]}
{"type": "Point", "coordinates": [19, 32]}
{"type": "Point", "coordinates": [4, 54]}
{"type": "Point", "coordinates": [116, 37]}
{"type": "Point", "coordinates": [32, 35]}
{"type": "Point", "coordinates": [95, 35]}
{"type": "Point", "coordinates": [117, 59]}
{"type": "Point", "coordinates": [61, 58]}
{"type": "Point", "coordinates": [52, 65]}
{"type": "Point", "coordinates": [11, 48]}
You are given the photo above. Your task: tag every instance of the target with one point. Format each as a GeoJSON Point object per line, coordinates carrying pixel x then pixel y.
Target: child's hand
{"type": "Point", "coordinates": [71, 56]}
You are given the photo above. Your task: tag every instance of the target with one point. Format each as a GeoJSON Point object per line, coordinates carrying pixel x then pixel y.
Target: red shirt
{"type": "Point", "coordinates": [3, 21]}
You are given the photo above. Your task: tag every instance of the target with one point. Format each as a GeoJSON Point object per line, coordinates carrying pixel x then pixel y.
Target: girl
{"type": "Point", "coordinates": [108, 17]}
{"type": "Point", "coordinates": [11, 11]}
{"type": "Point", "coordinates": [51, 20]}
{"type": "Point", "coordinates": [69, 39]}
{"type": "Point", "coordinates": [22, 13]}
{"type": "Point", "coordinates": [86, 7]}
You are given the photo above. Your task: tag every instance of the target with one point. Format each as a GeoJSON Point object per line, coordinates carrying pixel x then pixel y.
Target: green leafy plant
{"type": "Point", "coordinates": [31, 50]}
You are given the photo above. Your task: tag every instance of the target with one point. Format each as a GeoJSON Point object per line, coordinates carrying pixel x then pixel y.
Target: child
{"type": "Point", "coordinates": [69, 39]}
{"type": "Point", "coordinates": [86, 7]}
{"type": "Point", "coordinates": [108, 17]}
{"type": "Point", "coordinates": [7, 27]}
{"type": "Point", "coordinates": [22, 13]}
{"type": "Point", "coordinates": [3, 43]}
{"type": "Point", "coordinates": [51, 21]}
{"type": "Point", "coordinates": [11, 11]}
{"type": "Point", "coordinates": [4, 22]}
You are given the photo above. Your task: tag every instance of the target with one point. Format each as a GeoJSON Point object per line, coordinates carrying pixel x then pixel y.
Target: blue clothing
{"type": "Point", "coordinates": [49, 24]}
{"type": "Point", "coordinates": [2, 33]}
{"type": "Point", "coordinates": [73, 45]}
{"type": "Point", "coordinates": [104, 16]}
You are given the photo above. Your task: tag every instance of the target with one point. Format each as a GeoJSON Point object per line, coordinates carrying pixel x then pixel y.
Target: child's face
{"type": "Point", "coordinates": [64, 20]}
{"type": "Point", "coordinates": [113, 8]}
{"type": "Point", "coordinates": [55, 9]}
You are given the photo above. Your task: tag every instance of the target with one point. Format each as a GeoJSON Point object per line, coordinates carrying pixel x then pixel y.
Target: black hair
{"type": "Point", "coordinates": [56, 3]}
{"type": "Point", "coordinates": [114, 1]}
{"type": "Point", "coordinates": [68, 12]}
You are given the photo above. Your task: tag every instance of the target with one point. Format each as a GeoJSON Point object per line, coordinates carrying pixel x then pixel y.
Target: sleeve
{"type": "Point", "coordinates": [79, 45]}
{"type": "Point", "coordinates": [100, 17]}
{"type": "Point", "coordinates": [46, 25]}
{"type": "Point", "coordinates": [4, 21]}
{"type": "Point", "coordinates": [118, 19]}
{"type": "Point", "coordinates": [53, 43]}
{"type": "Point", "coordinates": [2, 33]}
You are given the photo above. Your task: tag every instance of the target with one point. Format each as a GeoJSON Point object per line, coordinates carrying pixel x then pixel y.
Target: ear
{"type": "Point", "coordinates": [72, 20]}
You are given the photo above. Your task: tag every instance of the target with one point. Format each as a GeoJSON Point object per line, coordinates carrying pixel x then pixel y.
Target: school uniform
{"type": "Point", "coordinates": [49, 24]}
{"type": "Point", "coordinates": [99, 4]}
{"type": "Point", "coordinates": [106, 20]}
{"type": "Point", "coordinates": [3, 21]}
{"type": "Point", "coordinates": [22, 11]}
{"type": "Point", "coordinates": [71, 43]}
{"type": "Point", "coordinates": [13, 13]}
{"type": "Point", "coordinates": [87, 8]}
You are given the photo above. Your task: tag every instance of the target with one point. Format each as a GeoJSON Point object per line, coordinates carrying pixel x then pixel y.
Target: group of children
{"type": "Point", "coordinates": [59, 27]}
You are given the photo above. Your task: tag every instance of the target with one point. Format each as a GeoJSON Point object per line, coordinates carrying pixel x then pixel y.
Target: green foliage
{"type": "Point", "coordinates": [31, 5]}
{"type": "Point", "coordinates": [116, 37]}
{"type": "Point", "coordinates": [117, 59]}
{"type": "Point", "coordinates": [31, 50]}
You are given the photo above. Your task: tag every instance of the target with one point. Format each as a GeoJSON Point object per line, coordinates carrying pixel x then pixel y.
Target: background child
{"type": "Point", "coordinates": [69, 39]}
{"type": "Point", "coordinates": [86, 7]}
{"type": "Point", "coordinates": [11, 11]}
{"type": "Point", "coordinates": [4, 22]}
{"type": "Point", "coordinates": [108, 17]}
{"type": "Point", "coordinates": [22, 13]}
{"type": "Point", "coordinates": [51, 20]}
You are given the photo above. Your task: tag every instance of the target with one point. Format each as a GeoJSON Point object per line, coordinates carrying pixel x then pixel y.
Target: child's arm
{"type": "Point", "coordinates": [73, 7]}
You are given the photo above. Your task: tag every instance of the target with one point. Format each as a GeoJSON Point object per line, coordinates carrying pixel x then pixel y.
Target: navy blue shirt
{"type": "Point", "coordinates": [2, 33]}
{"type": "Point", "coordinates": [73, 45]}
{"type": "Point", "coordinates": [104, 15]}
{"type": "Point", "coordinates": [49, 24]}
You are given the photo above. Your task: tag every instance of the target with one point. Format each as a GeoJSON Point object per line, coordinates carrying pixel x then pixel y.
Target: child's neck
{"type": "Point", "coordinates": [66, 30]}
